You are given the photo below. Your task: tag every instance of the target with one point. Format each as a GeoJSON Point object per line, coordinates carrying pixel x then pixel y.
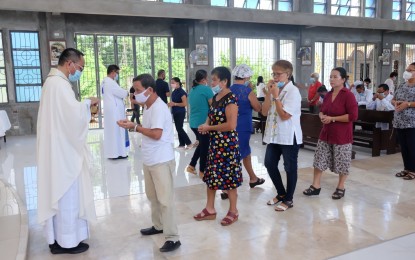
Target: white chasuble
{"type": "Point", "coordinates": [116, 142]}
{"type": "Point", "coordinates": [63, 160]}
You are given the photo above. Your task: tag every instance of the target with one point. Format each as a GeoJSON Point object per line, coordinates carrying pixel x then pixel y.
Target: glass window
{"type": "Point", "coordinates": [26, 66]}
{"type": "Point", "coordinates": [410, 10]}
{"type": "Point", "coordinates": [3, 83]}
{"type": "Point", "coordinates": [125, 60]}
{"type": "Point", "coordinates": [161, 55]}
{"type": "Point", "coordinates": [143, 55]}
{"type": "Point", "coordinates": [221, 52]}
{"type": "Point", "coordinates": [254, 4]}
{"type": "Point", "coordinates": [285, 5]}
{"type": "Point", "coordinates": [178, 64]}
{"type": "Point", "coordinates": [287, 51]}
{"type": "Point", "coordinates": [219, 3]}
{"type": "Point", "coordinates": [320, 6]}
{"type": "Point", "coordinates": [370, 8]}
{"type": "Point", "coordinates": [173, 1]}
{"type": "Point", "coordinates": [345, 7]}
{"type": "Point", "coordinates": [410, 54]}
{"type": "Point", "coordinates": [396, 10]}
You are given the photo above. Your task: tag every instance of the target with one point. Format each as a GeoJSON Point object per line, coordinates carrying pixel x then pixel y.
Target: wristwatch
{"type": "Point", "coordinates": [333, 120]}
{"type": "Point", "coordinates": [409, 104]}
{"type": "Point", "coordinates": [275, 99]}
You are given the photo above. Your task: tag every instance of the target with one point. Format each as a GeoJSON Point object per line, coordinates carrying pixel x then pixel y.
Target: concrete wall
{"type": "Point", "coordinates": [134, 17]}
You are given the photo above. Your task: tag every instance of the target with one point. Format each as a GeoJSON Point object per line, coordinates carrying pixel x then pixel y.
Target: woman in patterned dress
{"type": "Point", "coordinates": [223, 170]}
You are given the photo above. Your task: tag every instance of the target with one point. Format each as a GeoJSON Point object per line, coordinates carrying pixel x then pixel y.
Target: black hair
{"type": "Point", "coordinates": [69, 54]}
{"type": "Point", "coordinates": [360, 86]}
{"type": "Point", "coordinates": [238, 78]}
{"type": "Point", "coordinates": [260, 79]}
{"type": "Point", "coordinates": [160, 72]}
{"type": "Point", "coordinates": [412, 64]}
{"type": "Point", "coordinates": [322, 89]}
{"type": "Point", "coordinates": [146, 80]}
{"type": "Point", "coordinates": [291, 78]}
{"type": "Point", "coordinates": [367, 80]}
{"type": "Point", "coordinates": [178, 81]}
{"type": "Point", "coordinates": [222, 73]}
{"type": "Point", "coordinates": [343, 74]}
{"type": "Point", "coordinates": [393, 74]}
{"type": "Point", "coordinates": [112, 68]}
{"type": "Point", "coordinates": [384, 86]}
{"type": "Point", "coordinates": [200, 75]}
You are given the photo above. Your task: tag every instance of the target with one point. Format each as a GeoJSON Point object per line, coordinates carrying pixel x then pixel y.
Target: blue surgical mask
{"type": "Point", "coordinates": [280, 84]}
{"type": "Point", "coordinates": [312, 80]}
{"type": "Point", "coordinates": [216, 89]}
{"type": "Point", "coordinates": [246, 83]}
{"type": "Point", "coordinates": [75, 77]}
{"type": "Point", "coordinates": [116, 77]}
{"type": "Point", "coordinates": [362, 94]}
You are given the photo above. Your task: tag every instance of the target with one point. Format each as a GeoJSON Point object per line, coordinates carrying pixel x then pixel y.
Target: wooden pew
{"type": "Point", "coordinates": [367, 135]}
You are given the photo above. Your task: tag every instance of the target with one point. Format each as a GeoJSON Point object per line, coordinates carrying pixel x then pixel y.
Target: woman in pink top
{"type": "Point", "coordinates": [334, 147]}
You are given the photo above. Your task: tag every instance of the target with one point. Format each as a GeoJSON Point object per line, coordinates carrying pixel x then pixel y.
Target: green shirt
{"type": "Point", "coordinates": [199, 105]}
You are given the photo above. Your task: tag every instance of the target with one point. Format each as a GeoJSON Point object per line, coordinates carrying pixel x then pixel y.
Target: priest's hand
{"type": "Point", "coordinates": [94, 101]}
{"type": "Point", "coordinates": [125, 123]}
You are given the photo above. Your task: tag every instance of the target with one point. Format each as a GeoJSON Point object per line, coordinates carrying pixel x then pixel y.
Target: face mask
{"type": "Point", "coordinates": [246, 83]}
{"type": "Point", "coordinates": [75, 77]}
{"type": "Point", "coordinates": [141, 98]}
{"type": "Point", "coordinates": [382, 94]}
{"type": "Point", "coordinates": [312, 80]}
{"type": "Point", "coordinates": [116, 77]}
{"type": "Point", "coordinates": [407, 75]}
{"type": "Point", "coordinates": [280, 84]}
{"type": "Point", "coordinates": [362, 94]}
{"type": "Point", "coordinates": [173, 85]}
{"type": "Point", "coordinates": [321, 95]}
{"type": "Point", "coordinates": [216, 89]}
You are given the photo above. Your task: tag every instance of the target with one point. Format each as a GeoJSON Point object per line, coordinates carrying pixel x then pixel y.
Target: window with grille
{"type": "Point", "coordinates": [370, 8]}
{"type": "Point", "coordinates": [3, 82]}
{"type": "Point", "coordinates": [285, 5]}
{"type": "Point", "coordinates": [345, 7]}
{"type": "Point", "coordinates": [221, 52]}
{"type": "Point", "coordinates": [396, 9]}
{"type": "Point", "coordinates": [320, 6]}
{"type": "Point", "coordinates": [254, 4]}
{"type": "Point", "coordinates": [410, 10]}
{"type": "Point", "coordinates": [223, 3]}
{"type": "Point", "coordinates": [26, 65]}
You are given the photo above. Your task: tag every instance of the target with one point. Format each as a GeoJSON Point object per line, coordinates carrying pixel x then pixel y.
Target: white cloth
{"type": "Point", "coordinates": [62, 150]}
{"type": "Point", "coordinates": [365, 98]}
{"type": "Point", "coordinates": [116, 141]}
{"type": "Point", "coordinates": [391, 85]}
{"type": "Point", "coordinates": [158, 116]}
{"type": "Point", "coordinates": [260, 90]}
{"type": "Point", "coordinates": [278, 131]}
{"type": "Point", "coordinates": [4, 123]}
{"type": "Point", "coordinates": [382, 105]}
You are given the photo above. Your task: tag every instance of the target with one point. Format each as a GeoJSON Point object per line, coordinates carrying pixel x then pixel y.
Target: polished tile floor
{"type": "Point", "coordinates": [378, 207]}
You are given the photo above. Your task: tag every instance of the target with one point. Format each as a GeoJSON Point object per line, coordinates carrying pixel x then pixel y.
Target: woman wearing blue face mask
{"type": "Point", "coordinates": [246, 102]}
{"type": "Point", "coordinates": [283, 133]}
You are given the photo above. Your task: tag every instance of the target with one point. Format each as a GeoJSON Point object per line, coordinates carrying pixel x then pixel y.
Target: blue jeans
{"type": "Point", "coordinates": [290, 156]}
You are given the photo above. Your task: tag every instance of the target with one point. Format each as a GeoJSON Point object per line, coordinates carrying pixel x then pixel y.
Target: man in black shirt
{"type": "Point", "coordinates": [134, 107]}
{"type": "Point", "coordinates": [162, 88]}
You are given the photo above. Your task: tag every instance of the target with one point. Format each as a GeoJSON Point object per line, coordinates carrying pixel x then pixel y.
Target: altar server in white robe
{"type": "Point", "coordinates": [65, 195]}
{"type": "Point", "coordinates": [116, 142]}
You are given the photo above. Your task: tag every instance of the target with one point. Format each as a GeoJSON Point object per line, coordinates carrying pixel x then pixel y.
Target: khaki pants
{"type": "Point", "coordinates": [160, 191]}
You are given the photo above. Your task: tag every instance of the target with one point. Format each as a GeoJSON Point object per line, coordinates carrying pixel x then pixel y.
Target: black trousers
{"type": "Point", "coordinates": [178, 122]}
{"type": "Point", "coordinates": [406, 139]}
{"type": "Point", "coordinates": [201, 151]}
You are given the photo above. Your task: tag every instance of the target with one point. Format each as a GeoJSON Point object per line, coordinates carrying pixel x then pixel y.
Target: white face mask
{"type": "Point", "coordinates": [407, 75]}
{"type": "Point", "coordinates": [173, 85]}
{"type": "Point", "coordinates": [141, 98]}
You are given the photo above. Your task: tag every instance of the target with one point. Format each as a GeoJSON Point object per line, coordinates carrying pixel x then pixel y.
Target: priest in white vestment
{"type": "Point", "coordinates": [116, 142]}
{"type": "Point", "coordinates": [65, 195]}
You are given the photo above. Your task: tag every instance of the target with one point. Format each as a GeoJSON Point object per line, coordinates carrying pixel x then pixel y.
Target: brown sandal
{"type": "Point", "coordinates": [229, 219]}
{"type": "Point", "coordinates": [401, 174]}
{"type": "Point", "coordinates": [205, 215]}
{"type": "Point", "coordinates": [409, 176]}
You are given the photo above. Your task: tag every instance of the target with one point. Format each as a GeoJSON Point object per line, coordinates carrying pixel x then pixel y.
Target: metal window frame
{"type": "Point", "coordinates": [32, 67]}
{"type": "Point", "coordinates": [320, 4]}
{"type": "Point", "coordinates": [5, 69]}
{"type": "Point", "coordinates": [284, 1]}
{"type": "Point", "coordinates": [349, 6]}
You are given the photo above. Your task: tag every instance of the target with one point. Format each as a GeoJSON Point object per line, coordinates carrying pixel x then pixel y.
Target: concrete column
{"type": "Point", "coordinates": [384, 9]}
{"type": "Point", "coordinates": [304, 6]}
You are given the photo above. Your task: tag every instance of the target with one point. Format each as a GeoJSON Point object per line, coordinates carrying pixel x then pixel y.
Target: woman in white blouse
{"type": "Point", "coordinates": [283, 133]}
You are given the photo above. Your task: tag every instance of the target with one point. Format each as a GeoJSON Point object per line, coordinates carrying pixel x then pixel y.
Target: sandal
{"type": "Point", "coordinates": [401, 174]}
{"type": "Point", "coordinates": [284, 206]}
{"type": "Point", "coordinates": [409, 176]}
{"type": "Point", "coordinates": [259, 181]}
{"type": "Point", "coordinates": [205, 215]}
{"type": "Point", "coordinates": [273, 202]}
{"type": "Point", "coordinates": [191, 169]}
{"type": "Point", "coordinates": [339, 193]}
{"type": "Point", "coordinates": [229, 219]}
{"type": "Point", "coordinates": [312, 191]}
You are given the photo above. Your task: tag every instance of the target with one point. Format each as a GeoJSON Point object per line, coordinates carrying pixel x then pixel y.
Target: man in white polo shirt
{"type": "Point", "coordinates": [158, 160]}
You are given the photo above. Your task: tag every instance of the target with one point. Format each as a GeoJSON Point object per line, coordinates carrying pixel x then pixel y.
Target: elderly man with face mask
{"type": "Point", "coordinates": [313, 96]}
{"type": "Point", "coordinates": [381, 101]}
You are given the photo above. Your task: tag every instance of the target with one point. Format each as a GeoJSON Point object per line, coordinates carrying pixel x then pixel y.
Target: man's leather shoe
{"type": "Point", "coordinates": [150, 231]}
{"type": "Point", "coordinates": [170, 246]}
{"type": "Point", "coordinates": [57, 249]}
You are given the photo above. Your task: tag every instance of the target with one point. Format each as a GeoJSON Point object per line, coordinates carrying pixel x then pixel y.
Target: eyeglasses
{"type": "Point", "coordinates": [410, 70]}
{"type": "Point", "coordinates": [277, 74]}
{"type": "Point", "coordinates": [82, 68]}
